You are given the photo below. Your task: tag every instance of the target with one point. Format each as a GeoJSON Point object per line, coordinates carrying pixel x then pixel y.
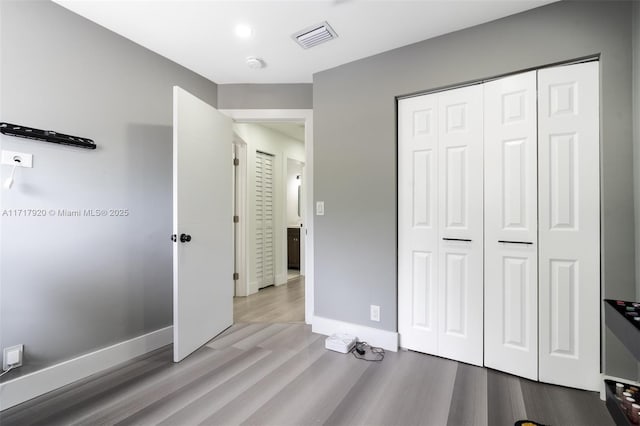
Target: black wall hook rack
{"type": "Point", "coordinates": [45, 135]}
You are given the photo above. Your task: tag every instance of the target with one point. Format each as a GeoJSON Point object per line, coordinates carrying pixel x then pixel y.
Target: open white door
{"type": "Point", "coordinates": [202, 223]}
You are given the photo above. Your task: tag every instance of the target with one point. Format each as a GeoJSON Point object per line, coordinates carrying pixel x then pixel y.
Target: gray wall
{"type": "Point", "coordinates": [636, 134]}
{"type": "Point", "coordinates": [355, 148]}
{"type": "Point", "coordinates": [636, 138]}
{"type": "Point", "coordinates": [70, 285]}
{"type": "Point", "coordinates": [265, 96]}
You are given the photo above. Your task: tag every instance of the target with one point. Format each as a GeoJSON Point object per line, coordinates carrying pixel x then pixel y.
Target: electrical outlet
{"type": "Point", "coordinates": [12, 357]}
{"type": "Point", "coordinates": [20, 159]}
{"type": "Point", "coordinates": [375, 313]}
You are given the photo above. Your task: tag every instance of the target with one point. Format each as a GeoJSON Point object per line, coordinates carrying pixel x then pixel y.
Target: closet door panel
{"type": "Point", "coordinates": [417, 223]}
{"type": "Point", "coordinates": [511, 264]}
{"type": "Point", "coordinates": [264, 233]}
{"type": "Point", "coordinates": [569, 183]}
{"type": "Point", "coordinates": [460, 214]}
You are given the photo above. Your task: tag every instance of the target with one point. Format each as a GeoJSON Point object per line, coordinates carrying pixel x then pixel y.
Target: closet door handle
{"type": "Point", "coordinates": [456, 239]}
{"type": "Point", "coordinates": [514, 242]}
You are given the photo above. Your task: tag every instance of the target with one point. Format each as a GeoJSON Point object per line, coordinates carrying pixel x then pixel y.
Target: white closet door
{"type": "Point", "coordinates": [417, 223]}
{"type": "Point", "coordinates": [511, 231]}
{"type": "Point", "coordinates": [569, 213]}
{"type": "Point", "coordinates": [460, 218]}
{"type": "Point", "coordinates": [265, 265]}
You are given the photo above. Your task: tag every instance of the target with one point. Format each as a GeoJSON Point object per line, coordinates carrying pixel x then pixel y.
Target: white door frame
{"type": "Point", "coordinates": [302, 116]}
{"type": "Point", "coordinates": [302, 212]}
{"type": "Point", "coordinates": [240, 195]}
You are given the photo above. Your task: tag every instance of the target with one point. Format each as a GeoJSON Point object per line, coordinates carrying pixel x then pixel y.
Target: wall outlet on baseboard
{"type": "Point", "coordinates": [12, 357]}
{"type": "Point", "coordinates": [375, 313]}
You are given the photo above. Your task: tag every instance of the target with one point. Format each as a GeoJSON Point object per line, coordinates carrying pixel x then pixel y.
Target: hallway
{"type": "Point", "coordinates": [283, 303]}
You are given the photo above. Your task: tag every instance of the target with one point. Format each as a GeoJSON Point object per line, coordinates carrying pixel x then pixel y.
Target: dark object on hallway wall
{"type": "Point", "coordinates": [45, 135]}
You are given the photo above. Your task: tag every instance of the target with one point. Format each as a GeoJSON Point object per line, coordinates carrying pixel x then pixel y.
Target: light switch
{"type": "Point", "coordinates": [320, 208]}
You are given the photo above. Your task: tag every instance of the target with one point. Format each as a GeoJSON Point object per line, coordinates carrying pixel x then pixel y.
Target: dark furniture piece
{"type": "Point", "coordinates": [628, 331]}
{"type": "Point", "coordinates": [293, 248]}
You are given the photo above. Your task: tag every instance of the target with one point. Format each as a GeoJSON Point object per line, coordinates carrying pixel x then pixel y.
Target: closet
{"type": "Point", "coordinates": [440, 215]}
{"type": "Point", "coordinates": [499, 224]}
{"type": "Point", "coordinates": [511, 225]}
{"type": "Point", "coordinates": [265, 240]}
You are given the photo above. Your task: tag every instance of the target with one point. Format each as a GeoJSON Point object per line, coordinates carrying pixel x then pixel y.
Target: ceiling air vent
{"type": "Point", "coordinates": [314, 35]}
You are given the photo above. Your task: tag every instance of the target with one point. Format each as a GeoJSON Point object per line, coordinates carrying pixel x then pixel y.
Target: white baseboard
{"type": "Point", "coordinates": [282, 278]}
{"type": "Point", "coordinates": [387, 340]}
{"type": "Point", "coordinates": [603, 392]}
{"type": "Point", "coordinates": [24, 388]}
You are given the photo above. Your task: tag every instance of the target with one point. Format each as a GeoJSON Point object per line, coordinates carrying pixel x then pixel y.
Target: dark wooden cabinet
{"type": "Point", "coordinates": [293, 248]}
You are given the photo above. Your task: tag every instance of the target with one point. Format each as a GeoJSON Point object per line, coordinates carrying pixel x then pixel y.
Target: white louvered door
{"type": "Point", "coordinates": [460, 223]}
{"type": "Point", "coordinates": [569, 206]}
{"type": "Point", "coordinates": [511, 225]}
{"type": "Point", "coordinates": [264, 234]}
{"type": "Point", "coordinates": [418, 223]}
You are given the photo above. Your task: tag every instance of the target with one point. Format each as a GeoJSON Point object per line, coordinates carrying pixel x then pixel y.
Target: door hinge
{"type": "Point", "coordinates": [236, 219]}
{"type": "Point", "coordinates": [236, 161]}
{"type": "Point", "coordinates": [236, 276]}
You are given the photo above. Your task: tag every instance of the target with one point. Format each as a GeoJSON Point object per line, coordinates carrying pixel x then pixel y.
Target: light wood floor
{"type": "Point", "coordinates": [280, 374]}
{"type": "Point", "coordinates": [284, 303]}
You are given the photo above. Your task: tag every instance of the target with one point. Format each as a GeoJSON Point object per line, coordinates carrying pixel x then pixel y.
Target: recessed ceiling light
{"type": "Point", "coordinates": [244, 31]}
{"type": "Point", "coordinates": [255, 63]}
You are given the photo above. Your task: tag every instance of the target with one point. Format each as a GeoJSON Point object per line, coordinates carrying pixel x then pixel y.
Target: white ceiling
{"type": "Point", "coordinates": [199, 34]}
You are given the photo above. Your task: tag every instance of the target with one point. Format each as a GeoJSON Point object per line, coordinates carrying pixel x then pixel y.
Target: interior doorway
{"type": "Point", "coordinates": [289, 168]}
{"type": "Point", "coordinates": [294, 214]}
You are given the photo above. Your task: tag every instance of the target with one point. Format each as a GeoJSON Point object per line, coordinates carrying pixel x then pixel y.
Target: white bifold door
{"type": "Point", "coordinates": [511, 225]}
{"type": "Point", "coordinates": [418, 223]}
{"type": "Point", "coordinates": [440, 224]}
{"type": "Point", "coordinates": [499, 224]}
{"type": "Point", "coordinates": [569, 225]}
{"type": "Point", "coordinates": [264, 216]}
{"type": "Point", "coordinates": [460, 141]}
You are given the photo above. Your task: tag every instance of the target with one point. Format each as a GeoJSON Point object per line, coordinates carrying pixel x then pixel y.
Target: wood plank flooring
{"type": "Point", "coordinates": [280, 374]}
{"type": "Point", "coordinates": [284, 303]}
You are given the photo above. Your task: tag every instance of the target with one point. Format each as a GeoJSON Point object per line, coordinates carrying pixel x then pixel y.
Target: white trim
{"type": "Point", "coordinates": [282, 278]}
{"type": "Point", "coordinates": [24, 388]}
{"type": "Point", "coordinates": [305, 116]}
{"type": "Point", "coordinates": [303, 240]}
{"type": "Point", "coordinates": [387, 340]}
{"type": "Point", "coordinates": [240, 197]}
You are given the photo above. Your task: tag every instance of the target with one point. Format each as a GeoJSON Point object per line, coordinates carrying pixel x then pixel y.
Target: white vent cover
{"type": "Point", "coordinates": [314, 35]}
